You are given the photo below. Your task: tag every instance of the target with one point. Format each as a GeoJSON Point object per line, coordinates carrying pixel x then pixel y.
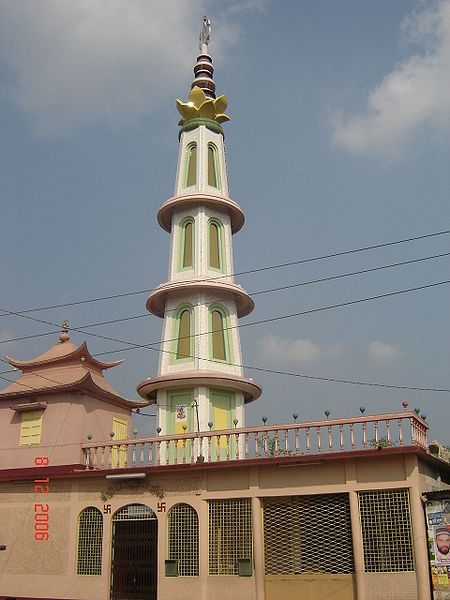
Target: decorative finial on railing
{"type": "Point", "coordinates": [405, 404]}
{"type": "Point", "coordinates": [210, 425]}
{"type": "Point", "coordinates": [417, 411]}
{"type": "Point", "coordinates": [327, 413]}
{"type": "Point", "coordinates": [424, 417]}
{"type": "Point", "coordinates": [135, 432]}
{"type": "Point", "coordinates": [235, 422]}
{"type": "Point", "coordinates": [89, 436]}
{"type": "Point", "coordinates": [64, 335]}
{"type": "Point", "coordinates": [158, 430]}
{"type": "Point", "coordinates": [112, 434]}
{"type": "Point", "coordinates": [362, 409]}
{"type": "Point", "coordinates": [295, 416]}
{"type": "Point", "coordinates": [264, 419]}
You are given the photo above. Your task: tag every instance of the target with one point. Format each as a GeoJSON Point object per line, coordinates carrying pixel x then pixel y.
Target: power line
{"type": "Point", "coordinates": [264, 291]}
{"type": "Point", "coordinates": [273, 371]}
{"type": "Point", "coordinates": [256, 270]}
{"type": "Point", "coordinates": [249, 324]}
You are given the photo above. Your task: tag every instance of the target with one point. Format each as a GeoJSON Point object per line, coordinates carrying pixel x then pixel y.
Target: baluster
{"type": "Point", "coordinates": [133, 455]}
{"type": "Point", "coordinates": [388, 432]}
{"type": "Point", "coordinates": [330, 439]}
{"type": "Point", "coordinates": [167, 462]}
{"type": "Point", "coordinates": [256, 445]}
{"type": "Point", "coordinates": [376, 433]}
{"type": "Point", "coordinates": [218, 447]}
{"type": "Point", "coordinates": [184, 451]}
{"type": "Point", "coordinates": [400, 431]}
{"type": "Point", "coordinates": [246, 445]}
{"type": "Point", "coordinates": [308, 445]}
{"type": "Point", "coordinates": [110, 453]}
{"type": "Point", "coordinates": [141, 449]}
{"type": "Point", "coordinates": [341, 436]}
{"type": "Point", "coordinates": [276, 443]}
{"type": "Point", "coordinates": [236, 450]}
{"type": "Point", "coordinates": [158, 452]}
{"type": "Point", "coordinates": [87, 457]}
{"type": "Point", "coordinates": [364, 435]}
{"type": "Point", "coordinates": [352, 435]}
{"type": "Point", "coordinates": [150, 454]}
{"type": "Point", "coordinates": [227, 437]}
{"type": "Point", "coordinates": [209, 449]}
{"type": "Point", "coordinates": [286, 442]}
{"type": "Point", "coordinates": [266, 444]}
{"type": "Point", "coordinates": [102, 460]}
{"type": "Point", "coordinates": [319, 441]}
{"type": "Point", "coordinates": [297, 442]}
{"type": "Point", "coordinates": [413, 430]}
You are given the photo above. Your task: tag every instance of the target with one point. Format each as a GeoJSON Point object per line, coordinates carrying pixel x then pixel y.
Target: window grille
{"type": "Point", "coordinates": [230, 535]}
{"type": "Point", "coordinates": [386, 531]}
{"type": "Point", "coordinates": [90, 538]}
{"type": "Point", "coordinates": [134, 512]}
{"type": "Point", "coordinates": [308, 534]}
{"type": "Point", "coordinates": [183, 539]}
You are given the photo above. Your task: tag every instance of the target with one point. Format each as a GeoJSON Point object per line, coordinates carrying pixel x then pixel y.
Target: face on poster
{"type": "Point", "coordinates": [442, 544]}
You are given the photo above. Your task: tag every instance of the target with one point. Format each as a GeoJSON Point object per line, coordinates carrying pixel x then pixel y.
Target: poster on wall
{"type": "Point", "coordinates": [438, 525]}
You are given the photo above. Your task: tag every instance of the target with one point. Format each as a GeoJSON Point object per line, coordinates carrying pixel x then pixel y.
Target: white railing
{"type": "Point", "coordinates": [307, 438]}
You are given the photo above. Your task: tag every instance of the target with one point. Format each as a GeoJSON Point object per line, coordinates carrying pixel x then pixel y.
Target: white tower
{"type": "Point", "coordinates": [200, 383]}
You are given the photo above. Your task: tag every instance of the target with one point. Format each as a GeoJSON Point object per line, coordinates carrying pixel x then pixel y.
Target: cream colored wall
{"type": "Point", "coordinates": [27, 566]}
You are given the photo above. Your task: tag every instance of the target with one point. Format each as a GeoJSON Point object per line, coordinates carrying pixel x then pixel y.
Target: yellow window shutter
{"type": "Point", "coordinates": [118, 454]}
{"type": "Point", "coordinates": [30, 427]}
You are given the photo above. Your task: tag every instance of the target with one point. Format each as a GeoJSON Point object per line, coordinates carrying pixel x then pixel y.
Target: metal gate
{"type": "Point", "coordinates": [134, 554]}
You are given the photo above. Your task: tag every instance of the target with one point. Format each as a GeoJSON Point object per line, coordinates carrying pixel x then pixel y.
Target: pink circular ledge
{"type": "Point", "coordinates": [148, 388]}
{"type": "Point", "coordinates": [166, 211]}
{"type": "Point", "coordinates": [156, 302]}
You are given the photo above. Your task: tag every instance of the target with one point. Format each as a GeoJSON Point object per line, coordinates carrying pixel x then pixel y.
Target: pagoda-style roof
{"type": "Point", "coordinates": [65, 367]}
{"type": "Point", "coordinates": [63, 352]}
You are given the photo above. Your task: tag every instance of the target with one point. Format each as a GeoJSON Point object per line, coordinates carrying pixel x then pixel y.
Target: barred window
{"type": "Point", "coordinates": [90, 537]}
{"type": "Point", "coordinates": [230, 535]}
{"type": "Point", "coordinates": [308, 534]}
{"type": "Point", "coordinates": [183, 539]}
{"type": "Point", "coordinates": [386, 531]}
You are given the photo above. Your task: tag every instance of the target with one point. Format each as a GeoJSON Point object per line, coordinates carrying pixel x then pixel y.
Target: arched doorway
{"type": "Point", "coordinates": [134, 553]}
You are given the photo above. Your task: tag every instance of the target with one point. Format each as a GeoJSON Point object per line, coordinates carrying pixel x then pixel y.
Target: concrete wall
{"type": "Point", "coordinates": [48, 569]}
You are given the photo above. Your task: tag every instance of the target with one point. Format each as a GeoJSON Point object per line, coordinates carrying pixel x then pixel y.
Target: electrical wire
{"type": "Point", "coordinates": [264, 291]}
{"type": "Point", "coordinates": [256, 270]}
{"type": "Point", "coordinates": [273, 371]}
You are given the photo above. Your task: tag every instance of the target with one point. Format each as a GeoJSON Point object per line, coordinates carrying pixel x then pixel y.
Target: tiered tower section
{"type": "Point", "coordinates": [200, 383]}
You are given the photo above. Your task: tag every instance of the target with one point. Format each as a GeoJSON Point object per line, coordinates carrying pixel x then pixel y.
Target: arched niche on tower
{"type": "Point", "coordinates": [183, 334]}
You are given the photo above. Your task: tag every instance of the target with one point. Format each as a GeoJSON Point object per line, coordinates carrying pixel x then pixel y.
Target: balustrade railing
{"type": "Point", "coordinates": [307, 438]}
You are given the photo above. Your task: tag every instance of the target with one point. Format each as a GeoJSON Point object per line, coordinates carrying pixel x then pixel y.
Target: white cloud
{"type": "Point", "coordinates": [415, 95]}
{"type": "Point", "coordinates": [383, 353]}
{"type": "Point", "coordinates": [77, 62]}
{"type": "Point", "coordinates": [301, 351]}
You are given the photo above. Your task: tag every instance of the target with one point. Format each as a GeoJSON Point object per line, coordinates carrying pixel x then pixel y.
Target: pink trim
{"type": "Point", "coordinates": [147, 389]}
{"type": "Point", "coordinates": [166, 211]}
{"type": "Point", "coordinates": [157, 300]}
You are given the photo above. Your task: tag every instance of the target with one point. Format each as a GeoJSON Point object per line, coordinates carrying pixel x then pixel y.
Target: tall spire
{"type": "Point", "coordinates": [200, 382]}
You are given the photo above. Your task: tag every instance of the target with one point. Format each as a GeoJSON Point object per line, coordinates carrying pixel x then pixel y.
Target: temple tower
{"type": "Point", "coordinates": [200, 382]}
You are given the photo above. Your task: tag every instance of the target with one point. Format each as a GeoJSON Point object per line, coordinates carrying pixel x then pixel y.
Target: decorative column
{"type": "Point", "coordinates": [200, 382]}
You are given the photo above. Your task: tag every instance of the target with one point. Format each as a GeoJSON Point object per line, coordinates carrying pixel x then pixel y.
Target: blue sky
{"type": "Point", "coordinates": [339, 139]}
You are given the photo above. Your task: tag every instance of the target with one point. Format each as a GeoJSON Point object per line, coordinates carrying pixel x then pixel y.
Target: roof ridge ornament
{"type": "Point", "coordinates": [64, 335]}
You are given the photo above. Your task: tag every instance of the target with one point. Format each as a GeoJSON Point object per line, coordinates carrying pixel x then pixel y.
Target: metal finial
{"type": "Point", "coordinates": [205, 35]}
